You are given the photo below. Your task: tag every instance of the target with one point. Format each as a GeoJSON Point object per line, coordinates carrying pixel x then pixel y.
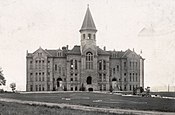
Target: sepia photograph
{"type": "Point", "coordinates": [87, 57]}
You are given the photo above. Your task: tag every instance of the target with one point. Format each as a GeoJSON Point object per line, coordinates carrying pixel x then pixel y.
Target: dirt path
{"type": "Point", "coordinates": [85, 108]}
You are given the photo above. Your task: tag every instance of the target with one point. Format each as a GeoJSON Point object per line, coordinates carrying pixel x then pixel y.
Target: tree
{"type": "Point", "coordinates": [13, 86]}
{"type": "Point", "coordinates": [2, 79]}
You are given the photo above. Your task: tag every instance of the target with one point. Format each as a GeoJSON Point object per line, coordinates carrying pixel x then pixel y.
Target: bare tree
{"type": "Point", "coordinates": [2, 79]}
{"type": "Point", "coordinates": [13, 86]}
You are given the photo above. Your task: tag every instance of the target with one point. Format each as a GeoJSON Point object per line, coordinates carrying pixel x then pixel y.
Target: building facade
{"type": "Point", "coordinates": [84, 68]}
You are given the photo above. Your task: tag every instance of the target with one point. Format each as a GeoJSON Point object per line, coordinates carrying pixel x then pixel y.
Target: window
{"type": "Point", "coordinates": [36, 86]}
{"type": "Point", "coordinates": [125, 79]}
{"type": "Point", "coordinates": [136, 77]}
{"type": "Point", "coordinates": [100, 79]}
{"type": "Point", "coordinates": [48, 73]}
{"type": "Point", "coordinates": [75, 78]}
{"type": "Point", "coordinates": [43, 88]}
{"type": "Point", "coordinates": [130, 87]}
{"type": "Point", "coordinates": [104, 65]}
{"type": "Point", "coordinates": [89, 60]}
{"type": "Point", "coordinates": [43, 78]}
{"type": "Point", "coordinates": [104, 77]}
{"type": "Point", "coordinates": [89, 36]}
{"type": "Point", "coordinates": [76, 65]}
{"type": "Point", "coordinates": [124, 64]}
{"type": "Point", "coordinates": [31, 87]}
{"type": "Point", "coordinates": [124, 74]}
{"type": "Point", "coordinates": [55, 67]}
{"type": "Point", "coordinates": [133, 76]}
{"type": "Point", "coordinates": [65, 79]}
{"type": "Point", "coordinates": [43, 73]}
{"type": "Point", "coordinates": [71, 79]}
{"type": "Point", "coordinates": [117, 67]}
{"type": "Point", "coordinates": [100, 65]}
{"type": "Point", "coordinates": [76, 88]}
{"type": "Point", "coordinates": [48, 87]}
{"type": "Point", "coordinates": [63, 69]}
{"type": "Point", "coordinates": [113, 70]}
{"type": "Point", "coordinates": [89, 80]}
{"type": "Point", "coordinates": [39, 87]}
{"type": "Point", "coordinates": [84, 36]}
{"type": "Point", "coordinates": [104, 87]}
{"type": "Point", "coordinates": [125, 87]}
{"type": "Point", "coordinates": [136, 64]}
{"type": "Point", "coordinates": [71, 74]}
{"type": "Point", "coordinates": [130, 77]}
{"type": "Point", "coordinates": [94, 37]}
{"type": "Point", "coordinates": [76, 74]}
{"type": "Point", "coordinates": [48, 61]}
{"type": "Point", "coordinates": [100, 87]}
{"type": "Point", "coordinates": [71, 89]}
{"type": "Point", "coordinates": [130, 64]}
{"type": "Point", "coordinates": [71, 64]}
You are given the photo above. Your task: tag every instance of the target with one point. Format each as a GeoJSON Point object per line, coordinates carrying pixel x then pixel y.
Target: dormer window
{"type": "Point", "coordinates": [89, 36]}
{"type": "Point", "coordinates": [59, 54]}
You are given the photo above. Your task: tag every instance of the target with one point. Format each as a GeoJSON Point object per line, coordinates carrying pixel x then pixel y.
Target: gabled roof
{"type": "Point", "coordinates": [127, 52]}
{"type": "Point", "coordinates": [102, 52]}
{"type": "Point", "coordinates": [52, 52]}
{"type": "Point", "coordinates": [75, 50]}
{"type": "Point", "coordinates": [88, 23]}
{"type": "Point", "coordinates": [118, 54]}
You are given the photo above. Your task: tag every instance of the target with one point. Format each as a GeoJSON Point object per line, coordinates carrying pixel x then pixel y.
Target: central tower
{"type": "Point", "coordinates": [88, 53]}
{"type": "Point", "coordinates": [88, 32]}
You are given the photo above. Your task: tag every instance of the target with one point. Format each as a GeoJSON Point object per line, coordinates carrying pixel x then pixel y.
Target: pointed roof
{"type": "Point", "coordinates": [88, 23]}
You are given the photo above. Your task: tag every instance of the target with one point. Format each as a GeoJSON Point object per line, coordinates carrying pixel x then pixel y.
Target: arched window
{"type": "Point", "coordinates": [76, 64]}
{"type": "Point", "coordinates": [104, 65]}
{"type": "Point", "coordinates": [71, 64]}
{"type": "Point", "coordinates": [89, 80]}
{"type": "Point", "coordinates": [89, 60]}
{"type": "Point", "coordinates": [100, 65]}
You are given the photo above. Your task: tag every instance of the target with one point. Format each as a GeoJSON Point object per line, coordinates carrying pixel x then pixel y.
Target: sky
{"type": "Point", "coordinates": [147, 25]}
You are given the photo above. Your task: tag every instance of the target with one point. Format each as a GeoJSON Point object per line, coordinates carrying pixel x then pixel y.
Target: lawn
{"type": "Point", "coordinates": [21, 109]}
{"type": "Point", "coordinates": [99, 100]}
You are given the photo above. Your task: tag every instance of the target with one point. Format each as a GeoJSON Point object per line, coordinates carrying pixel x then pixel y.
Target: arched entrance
{"type": "Point", "coordinates": [89, 80]}
{"type": "Point", "coordinates": [59, 82]}
{"type": "Point", "coordinates": [114, 83]}
{"type": "Point", "coordinates": [90, 89]}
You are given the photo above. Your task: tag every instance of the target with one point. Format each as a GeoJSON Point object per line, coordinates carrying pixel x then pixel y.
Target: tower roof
{"type": "Point", "coordinates": [88, 23]}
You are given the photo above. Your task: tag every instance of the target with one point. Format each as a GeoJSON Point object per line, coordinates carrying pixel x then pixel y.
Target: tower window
{"type": "Point", "coordinates": [89, 80]}
{"type": "Point", "coordinates": [89, 36]}
{"type": "Point", "coordinates": [94, 37]}
{"type": "Point", "coordinates": [83, 36]}
{"type": "Point", "coordinates": [89, 60]}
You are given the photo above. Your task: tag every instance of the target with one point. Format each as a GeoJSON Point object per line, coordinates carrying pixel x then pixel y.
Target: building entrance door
{"type": "Point", "coordinates": [59, 82]}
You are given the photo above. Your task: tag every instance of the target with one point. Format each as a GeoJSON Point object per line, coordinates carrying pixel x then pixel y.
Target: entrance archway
{"type": "Point", "coordinates": [59, 82]}
{"type": "Point", "coordinates": [90, 89]}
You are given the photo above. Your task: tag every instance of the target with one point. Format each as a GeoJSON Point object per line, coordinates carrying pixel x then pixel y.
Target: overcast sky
{"type": "Point", "coordinates": [147, 25]}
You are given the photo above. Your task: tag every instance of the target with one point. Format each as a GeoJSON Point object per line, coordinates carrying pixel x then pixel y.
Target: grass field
{"type": "Point", "coordinates": [20, 109]}
{"type": "Point", "coordinates": [99, 100]}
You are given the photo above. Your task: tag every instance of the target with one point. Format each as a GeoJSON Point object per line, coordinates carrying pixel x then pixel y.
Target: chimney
{"type": "Point", "coordinates": [67, 46]}
{"type": "Point", "coordinates": [104, 48]}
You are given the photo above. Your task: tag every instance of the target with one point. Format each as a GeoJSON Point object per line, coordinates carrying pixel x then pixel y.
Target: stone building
{"type": "Point", "coordinates": [85, 67]}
